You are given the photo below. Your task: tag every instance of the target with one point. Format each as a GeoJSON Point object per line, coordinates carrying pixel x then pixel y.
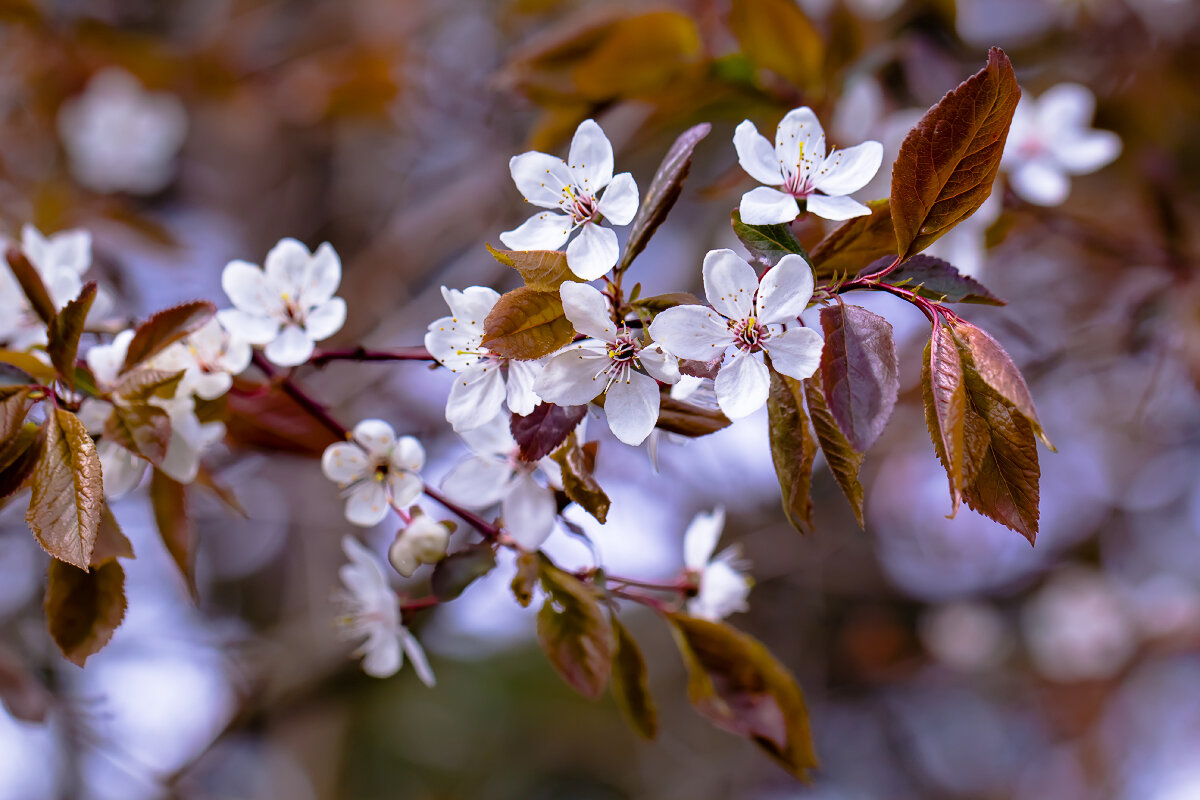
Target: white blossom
{"type": "Point", "coordinates": [119, 137]}
{"type": "Point", "coordinates": [1077, 627]}
{"type": "Point", "coordinates": [747, 319]}
{"type": "Point", "coordinates": [1050, 139]}
{"type": "Point", "coordinates": [480, 389]}
{"type": "Point", "coordinates": [422, 541]}
{"type": "Point", "coordinates": [376, 469]}
{"type": "Point", "coordinates": [372, 610]}
{"type": "Point", "coordinates": [287, 305]}
{"type": "Point", "coordinates": [799, 166]}
{"type": "Point", "coordinates": [584, 193]}
{"type": "Point", "coordinates": [209, 358]}
{"type": "Point", "coordinates": [614, 362]}
{"type": "Point", "coordinates": [724, 584]}
{"type": "Point", "coordinates": [494, 473]}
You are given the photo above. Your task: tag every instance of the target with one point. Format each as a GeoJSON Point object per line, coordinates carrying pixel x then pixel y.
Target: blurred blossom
{"type": "Point", "coordinates": [967, 636]}
{"type": "Point", "coordinates": [209, 358]}
{"type": "Point", "coordinates": [1167, 606]}
{"type": "Point", "coordinates": [724, 584]}
{"type": "Point", "coordinates": [1076, 627]}
{"type": "Point", "coordinates": [120, 137]}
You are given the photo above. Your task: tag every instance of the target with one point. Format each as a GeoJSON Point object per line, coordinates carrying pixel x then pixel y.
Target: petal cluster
{"type": "Point", "coordinates": [723, 582]}
{"type": "Point", "coordinates": [377, 470]}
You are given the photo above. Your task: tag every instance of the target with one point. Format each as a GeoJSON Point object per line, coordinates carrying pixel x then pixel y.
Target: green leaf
{"type": "Point", "coordinates": [544, 270]}
{"type": "Point", "coordinates": [936, 279]}
{"type": "Point", "coordinates": [995, 366]}
{"type": "Point", "coordinates": [792, 448]}
{"type": "Point", "coordinates": [31, 284]}
{"type": "Point", "coordinates": [574, 631]}
{"type": "Point", "coordinates": [164, 328]}
{"type": "Point", "coordinates": [526, 578]}
{"type": "Point", "coordinates": [84, 608]}
{"type": "Point", "coordinates": [855, 243]}
{"type": "Point", "coordinates": [685, 419]}
{"type": "Point", "coordinates": [766, 243]}
{"type": "Point", "coordinates": [664, 190]}
{"type": "Point", "coordinates": [454, 573]}
{"type": "Point", "coordinates": [629, 686]}
{"type": "Point", "coordinates": [776, 35]}
{"type": "Point", "coordinates": [736, 683]}
{"type": "Point", "coordinates": [19, 454]}
{"type": "Point", "coordinates": [860, 372]}
{"type": "Point", "coordinates": [945, 406]}
{"type": "Point", "coordinates": [141, 429]}
{"type": "Point", "coordinates": [543, 430]}
{"type": "Point", "coordinates": [14, 406]}
{"type": "Point", "coordinates": [947, 163]}
{"type": "Point", "coordinates": [842, 459]}
{"type": "Point", "coordinates": [527, 324]}
{"type": "Point", "coordinates": [68, 494]}
{"type": "Point", "coordinates": [64, 332]}
{"type": "Point", "coordinates": [111, 541]}
{"type": "Point", "coordinates": [579, 483]}
{"type": "Point", "coordinates": [168, 498]}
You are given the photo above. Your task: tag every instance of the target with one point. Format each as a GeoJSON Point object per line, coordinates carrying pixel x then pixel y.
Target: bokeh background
{"type": "Point", "coordinates": [940, 658]}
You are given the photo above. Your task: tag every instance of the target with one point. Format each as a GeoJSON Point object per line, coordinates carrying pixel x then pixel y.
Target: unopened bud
{"type": "Point", "coordinates": [424, 541]}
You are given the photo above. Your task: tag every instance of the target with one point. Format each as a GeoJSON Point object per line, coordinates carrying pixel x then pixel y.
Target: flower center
{"type": "Point", "coordinates": [797, 183]}
{"type": "Point", "coordinates": [580, 204]}
{"type": "Point", "coordinates": [748, 334]}
{"type": "Point", "coordinates": [622, 355]}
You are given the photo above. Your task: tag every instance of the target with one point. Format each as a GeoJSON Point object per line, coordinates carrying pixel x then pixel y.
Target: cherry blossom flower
{"type": "Point", "coordinates": [289, 304]}
{"type": "Point", "coordinates": [376, 469]}
{"type": "Point", "coordinates": [209, 358]}
{"type": "Point", "coordinates": [480, 389]}
{"type": "Point", "coordinates": [614, 362]}
{"type": "Point", "coordinates": [746, 320]}
{"type": "Point", "coordinates": [1051, 139]}
{"type": "Point", "coordinates": [724, 584]}
{"type": "Point", "coordinates": [422, 541]}
{"type": "Point", "coordinates": [574, 188]}
{"type": "Point", "coordinates": [800, 168]}
{"type": "Point", "coordinates": [494, 473]}
{"type": "Point", "coordinates": [371, 609]}
{"type": "Point", "coordinates": [120, 137]}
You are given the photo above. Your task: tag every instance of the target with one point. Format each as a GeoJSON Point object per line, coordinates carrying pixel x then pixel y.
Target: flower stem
{"type": "Point", "coordinates": [323, 357]}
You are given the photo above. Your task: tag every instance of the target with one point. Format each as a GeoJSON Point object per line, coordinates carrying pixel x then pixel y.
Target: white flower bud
{"type": "Point", "coordinates": [424, 541]}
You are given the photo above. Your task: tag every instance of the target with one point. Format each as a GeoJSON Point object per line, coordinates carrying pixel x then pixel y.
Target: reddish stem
{"type": "Point", "coordinates": [323, 357]}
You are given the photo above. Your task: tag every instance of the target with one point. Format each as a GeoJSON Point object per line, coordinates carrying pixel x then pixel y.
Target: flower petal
{"type": "Point", "coordinates": [286, 267]}
{"type": "Point", "coordinates": [456, 346]}
{"type": "Point", "coordinates": [723, 591]}
{"type": "Point", "coordinates": [326, 319]}
{"type": "Point", "coordinates": [416, 656]}
{"type": "Point", "coordinates": [729, 284]}
{"type": "Point", "coordinates": [659, 364]}
{"type": "Point", "coordinates": [122, 469]}
{"type": "Point", "coordinates": [405, 487]}
{"type": "Point", "coordinates": [591, 158]}
{"type": "Point", "coordinates": [695, 332]}
{"type": "Point", "coordinates": [521, 377]}
{"type": "Point", "coordinates": [376, 437]}
{"type": "Point", "coordinates": [475, 397]}
{"type": "Point", "coordinates": [105, 360]}
{"type": "Point", "coordinates": [766, 206]}
{"type": "Point", "coordinates": [588, 310]}
{"type": "Point", "coordinates": [742, 385]}
{"type": "Point", "coordinates": [700, 539]}
{"type": "Point", "coordinates": [546, 230]}
{"type": "Point", "coordinates": [290, 348]}
{"type": "Point", "coordinates": [756, 155]}
{"type": "Point", "coordinates": [795, 352]}
{"type": "Point", "coordinates": [846, 171]}
{"type": "Point", "coordinates": [250, 328]}
{"type": "Point", "coordinates": [345, 463]}
{"type": "Point", "coordinates": [593, 252]}
{"type": "Point", "coordinates": [785, 291]}
{"type": "Point", "coordinates": [836, 208]}
{"type": "Point", "coordinates": [1064, 109]}
{"type": "Point", "coordinates": [366, 504]}
{"type": "Point", "coordinates": [478, 482]}
{"type": "Point", "coordinates": [540, 177]}
{"type": "Point", "coordinates": [572, 377]}
{"type": "Point", "coordinates": [322, 274]}
{"type": "Point", "coordinates": [619, 203]}
{"type": "Point", "coordinates": [799, 142]}
{"type": "Point", "coordinates": [1041, 182]}
{"type": "Point", "coordinates": [1086, 152]}
{"type": "Point", "coordinates": [381, 654]}
{"type": "Point", "coordinates": [470, 306]}
{"type": "Point", "coordinates": [529, 512]}
{"type": "Point", "coordinates": [631, 405]}
{"type": "Point", "coordinates": [246, 286]}
{"type": "Point", "coordinates": [408, 454]}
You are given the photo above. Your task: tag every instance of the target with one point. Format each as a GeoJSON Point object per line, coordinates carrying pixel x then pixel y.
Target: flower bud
{"type": "Point", "coordinates": [424, 541]}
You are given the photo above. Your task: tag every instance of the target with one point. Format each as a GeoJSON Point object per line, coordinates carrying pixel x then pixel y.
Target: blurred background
{"type": "Point", "coordinates": [940, 658]}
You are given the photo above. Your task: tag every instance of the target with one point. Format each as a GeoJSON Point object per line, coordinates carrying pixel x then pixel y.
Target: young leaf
{"type": "Point", "coordinates": [141, 385]}
{"type": "Point", "coordinates": [543, 430]}
{"type": "Point", "coordinates": [31, 284]}
{"type": "Point", "coordinates": [579, 484]}
{"type": "Point", "coordinates": [855, 243]}
{"type": "Point", "coordinates": [936, 279]}
{"type": "Point", "coordinates": [165, 328]}
{"type": "Point", "coordinates": [766, 243]}
{"type": "Point", "coordinates": [544, 270]}
{"type": "Point", "coordinates": [142, 429]}
{"type": "Point", "coordinates": [527, 324]}
{"type": "Point", "coordinates": [454, 573]}
{"type": "Point", "coordinates": [575, 632]}
{"type": "Point", "coordinates": [945, 406]}
{"type": "Point", "coordinates": [68, 495]}
{"type": "Point", "coordinates": [35, 368]}
{"type": "Point", "coordinates": [792, 448]}
{"type": "Point", "coordinates": [111, 541]}
{"type": "Point", "coordinates": [947, 163]}
{"type": "Point", "coordinates": [685, 419]}
{"type": "Point", "coordinates": [860, 372]}
{"type": "Point", "coordinates": [843, 460]}
{"type": "Point", "coordinates": [14, 406]}
{"type": "Point", "coordinates": [84, 608]}
{"type": "Point", "coordinates": [168, 497]}
{"type": "Point", "coordinates": [664, 190]}
{"type": "Point", "coordinates": [736, 683]}
{"type": "Point", "coordinates": [776, 35]}
{"type": "Point", "coordinates": [19, 454]}
{"type": "Point", "coordinates": [995, 366]}
{"type": "Point", "coordinates": [64, 331]}
{"type": "Point", "coordinates": [526, 578]}
{"type": "Point", "coordinates": [629, 684]}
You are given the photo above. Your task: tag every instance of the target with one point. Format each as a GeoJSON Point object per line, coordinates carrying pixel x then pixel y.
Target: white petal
{"type": "Point", "coordinates": [521, 377]}
{"type": "Point", "coordinates": [286, 267]}
{"type": "Point", "coordinates": [795, 352]}
{"type": "Point", "coordinates": [593, 252]}
{"type": "Point", "coordinates": [766, 206]}
{"type": "Point", "coordinates": [246, 286]}
{"type": "Point", "coordinates": [785, 291]}
{"type": "Point", "coordinates": [619, 203]}
{"type": "Point", "coordinates": [326, 319]}
{"type": "Point", "coordinates": [322, 275]}
{"type": "Point", "coordinates": [121, 471]}
{"type": "Point", "coordinates": [416, 656]}
{"type": "Point", "coordinates": [756, 155]}
{"type": "Point", "coordinates": [659, 364]}
{"type": "Point", "coordinates": [729, 284]}
{"type": "Point", "coordinates": [475, 397]}
{"type": "Point", "coordinates": [572, 377]}
{"type": "Point", "coordinates": [381, 655]}
{"type": "Point", "coordinates": [290, 348]}
{"type": "Point", "coordinates": [69, 250]}
{"type": "Point", "coordinates": [105, 360]}
{"type": "Point", "coordinates": [846, 171]}
{"type": "Point", "coordinates": [700, 539]}
{"type": "Point", "coordinates": [723, 591]}
{"type": "Point", "coordinates": [1040, 182]}
{"type": "Point", "coordinates": [408, 454]}
{"type": "Point", "coordinates": [800, 142]}
{"type": "Point", "coordinates": [546, 230]}
{"type": "Point", "coordinates": [345, 463]}
{"type": "Point", "coordinates": [1064, 108]}
{"type": "Point", "coordinates": [742, 385]}
{"type": "Point", "coordinates": [249, 327]}
{"type": "Point", "coordinates": [1087, 152]}
{"type": "Point", "coordinates": [631, 405]}
{"type": "Point", "coordinates": [588, 310]}
{"type": "Point", "coordinates": [529, 511]}
{"type": "Point", "coordinates": [836, 208]}
{"type": "Point", "coordinates": [591, 157]}
{"type": "Point", "coordinates": [541, 178]}
{"type": "Point", "coordinates": [456, 346]}
{"type": "Point", "coordinates": [493, 440]}
{"type": "Point", "coordinates": [367, 504]}
{"type": "Point", "coordinates": [478, 482]}
{"type": "Point", "coordinates": [405, 487]}
{"type": "Point", "coordinates": [695, 332]}
{"type": "Point", "coordinates": [376, 437]}
{"type": "Point", "coordinates": [471, 306]}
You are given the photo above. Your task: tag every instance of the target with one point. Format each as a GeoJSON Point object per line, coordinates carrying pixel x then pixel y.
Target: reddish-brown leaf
{"type": "Point", "coordinates": [84, 608]}
{"type": "Point", "coordinates": [31, 284]}
{"type": "Point", "coordinates": [792, 448]}
{"type": "Point", "coordinates": [842, 459]}
{"type": "Point", "coordinates": [68, 493]}
{"type": "Point", "coordinates": [169, 500]}
{"type": "Point", "coordinates": [64, 331]}
{"type": "Point", "coordinates": [855, 243]}
{"type": "Point", "coordinates": [14, 406]}
{"type": "Point", "coordinates": [541, 432]}
{"type": "Point", "coordinates": [629, 686]}
{"type": "Point", "coordinates": [936, 279]}
{"type": "Point", "coordinates": [579, 483]}
{"type": "Point", "coordinates": [686, 419]}
{"type": "Point", "coordinates": [164, 328]}
{"type": "Point", "coordinates": [544, 270]}
{"type": "Point", "coordinates": [527, 324]}
{"type": "Point", "coordinates": [574, 631]}
{"type": "Point", "coordinates": [18, 456]}
{"type": "Point", "coordinates": [945, 406]}
{"type": "Point", "coordinates": [142, 429]}
{"type": "Point", "coordinates": [995, 366]}
{"type": "Point", "coordinates": [111, 541]}
{"type": "Point", "coordinates": [860, 372]}
{"type": "Point", "coordinates": [266, 417]}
